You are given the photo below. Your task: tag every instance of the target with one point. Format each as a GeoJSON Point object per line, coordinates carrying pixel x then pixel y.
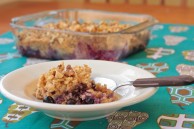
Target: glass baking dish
{"type": "Point", "coordinates": [33, 40]}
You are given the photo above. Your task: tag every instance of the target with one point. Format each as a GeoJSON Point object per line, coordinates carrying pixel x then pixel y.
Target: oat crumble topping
{"type": "Point", "coordinates": [101, 27]}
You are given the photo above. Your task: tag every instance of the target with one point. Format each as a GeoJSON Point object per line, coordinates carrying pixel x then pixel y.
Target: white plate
{"type": "Point", "coordinates": [15, 86]}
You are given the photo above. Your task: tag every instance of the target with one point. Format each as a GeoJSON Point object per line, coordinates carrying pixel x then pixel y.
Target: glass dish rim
{"type": "Point", "coordinates": [151, 21]}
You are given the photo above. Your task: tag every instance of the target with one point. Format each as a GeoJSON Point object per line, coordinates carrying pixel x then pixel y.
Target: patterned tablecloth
{"type": "Point", "coordinates": [170, 52]}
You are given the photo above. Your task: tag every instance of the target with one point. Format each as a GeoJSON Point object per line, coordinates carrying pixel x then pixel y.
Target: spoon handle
{"type": "Point", "coordinates": [164, 81]}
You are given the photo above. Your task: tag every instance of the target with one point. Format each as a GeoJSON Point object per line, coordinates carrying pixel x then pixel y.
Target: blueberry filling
{"type": "Point", "coordinates": [48, 99]}
{"type": "Point", "coordinates": [93, 86]}
{"type": "Point", "coordinates": [80, 88]}
{"type": "Point", "coordinates": [71, 101]}
{"type": "Point", "coordinates": [88, 100]}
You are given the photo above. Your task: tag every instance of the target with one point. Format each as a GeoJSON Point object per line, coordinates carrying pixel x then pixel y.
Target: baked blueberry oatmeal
{"type": "Point", "coordinates": [72, 85]}
{"type": "Point", "coordinates": [80, 40]}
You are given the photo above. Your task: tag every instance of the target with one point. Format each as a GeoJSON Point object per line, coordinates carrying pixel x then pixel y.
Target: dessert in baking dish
{"type": "Point", "coordinates": [82, 34]}
{"type": "Point", "coordinates": [80, 40]}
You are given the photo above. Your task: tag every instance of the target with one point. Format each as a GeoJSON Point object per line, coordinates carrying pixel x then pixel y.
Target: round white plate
{"type": "Point", "coordinates": [15, 86]}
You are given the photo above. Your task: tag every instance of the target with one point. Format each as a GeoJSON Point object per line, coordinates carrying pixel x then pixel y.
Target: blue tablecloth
{"type": "Point", "coordinates": [170, 52]}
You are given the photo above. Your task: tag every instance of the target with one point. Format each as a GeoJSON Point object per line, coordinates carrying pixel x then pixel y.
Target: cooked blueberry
{"type": "Point", "coordinates": [59, 99]}
{"type": "Point", "coordinates": [53, 92]}
{"type": "Point", "coordinates": [48, 99]}
{"type": "Point", "coordinates": [80, 88]}
{"type": "Point", "coordinates": [89, 100]}
{"type": "Point", "coordinates": [93, 85]}
{"type": "Point", "coordinates": [71, 101]}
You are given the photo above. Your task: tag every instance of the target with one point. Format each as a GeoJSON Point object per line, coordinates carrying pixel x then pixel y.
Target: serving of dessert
{"type": "Point", "coordinates": [72, 85]}
{"type": "Point", "coordinates": [67, 91]}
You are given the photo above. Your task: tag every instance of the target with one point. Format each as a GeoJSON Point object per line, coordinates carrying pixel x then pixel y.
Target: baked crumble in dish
{"type": "Point", "coordinates": [80, 40]}
{"type": "Point", "coordinates": [72, 85]}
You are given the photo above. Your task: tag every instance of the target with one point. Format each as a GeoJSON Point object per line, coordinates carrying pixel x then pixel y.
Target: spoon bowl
{"type": "Point", "coordinates": [125, 89]}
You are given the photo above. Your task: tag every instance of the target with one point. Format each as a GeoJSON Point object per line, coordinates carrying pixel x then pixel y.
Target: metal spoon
{"type": "Point", "coordinates": [149, 82]}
